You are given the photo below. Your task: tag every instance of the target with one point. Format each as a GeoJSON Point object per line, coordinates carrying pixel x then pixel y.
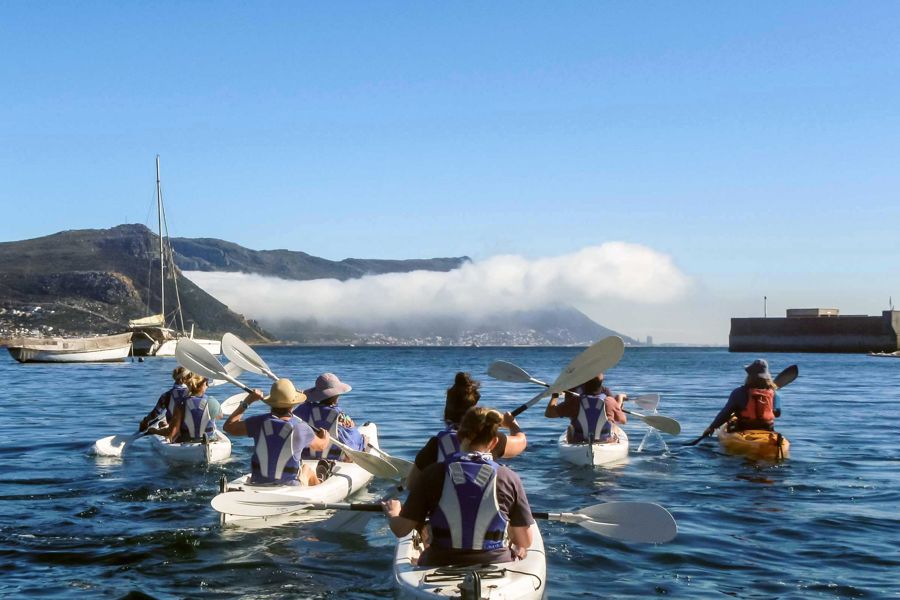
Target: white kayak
{"type": "Point", "coordinates": [216, 450]}
{"type": "Point", "coordinates": [597, 453]}
{"type": "Point", "coordinates": [346, 479]}
{"type": "Point", "coordinates": [515, 580]}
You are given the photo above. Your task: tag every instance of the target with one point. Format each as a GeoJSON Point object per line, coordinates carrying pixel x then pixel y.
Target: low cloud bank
{"type": "Point", "coordinates": [614, 271]}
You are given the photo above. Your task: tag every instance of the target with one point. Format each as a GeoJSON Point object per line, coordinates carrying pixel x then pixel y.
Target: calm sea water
{"type": "Point", "coordinates": [822, 525]}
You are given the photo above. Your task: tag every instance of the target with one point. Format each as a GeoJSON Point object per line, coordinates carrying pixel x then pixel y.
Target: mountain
{"type": "Point", "coordinates": [94, 280]}
{"type": "Point", "coordinates": [206, 254]}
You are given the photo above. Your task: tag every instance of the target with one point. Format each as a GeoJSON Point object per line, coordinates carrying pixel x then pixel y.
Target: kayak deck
{"type": "Point", "coordinates": [594, 454]}
{"type": "Point", "coordinates": [515, 580]}
{"type": "Point", "coordinates": [756, 443]}
{"type": "Point", "coordinates": [192, 453]}
{"type": "Point", "coordinates": [346, 479]}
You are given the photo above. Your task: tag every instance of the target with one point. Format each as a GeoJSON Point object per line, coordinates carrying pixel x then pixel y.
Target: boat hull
{"type": "Point", "coordinates": [594, 454]}
{"type": "Point", "coordinates": [346, 479]}
{"type": "Point", "coordinates": [522, 579]}
{"type": "Point", "coordinates": [755, 443]}
{"type": "Point", "coordinates": [110, 348]}
{"type": "Point", "coordinates": [192, 453]}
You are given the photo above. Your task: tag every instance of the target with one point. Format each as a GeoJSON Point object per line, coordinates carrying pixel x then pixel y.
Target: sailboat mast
{"type": "Point", "coordinates": [162, 259]}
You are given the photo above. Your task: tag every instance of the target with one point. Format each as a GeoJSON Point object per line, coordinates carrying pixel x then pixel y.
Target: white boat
{"type": "Point", "coordinates": [216, 450]}
{"type": "Point", "coordinates": [346, 479]}
{"type": "Point", "coordinates": [516, 580]}
{"type": "Point", "coordinates": [152, 335]}
{"type": "Point", "coordinates": [597, 453]}
{"type": "Point", "coordinates": [105, 348]}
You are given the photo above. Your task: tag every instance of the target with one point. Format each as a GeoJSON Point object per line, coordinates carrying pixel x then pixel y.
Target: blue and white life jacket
{"type": "Point", "coordinates": [277, 453]}
{"type": "Point", "coordinates": [196, 419]}
{"type": "Point", "coordinates": [178, 393]}
{"type": "Point", "coordinates": [321, 417]}
{"type": "Point", "coordinates": [592, 423]}
{"type": "Point", "coordinates": [468, 515]}
{"type": "Point", "coordinates": [447, 443]}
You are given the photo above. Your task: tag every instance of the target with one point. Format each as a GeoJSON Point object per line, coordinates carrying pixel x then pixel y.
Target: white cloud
{"type": "Point", "coordinates": [614, 272]}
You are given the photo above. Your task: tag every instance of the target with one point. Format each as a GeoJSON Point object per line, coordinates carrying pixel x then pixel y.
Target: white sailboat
{"type": "Point", "coordinates": [152, 335]}
{"type": "Point", "coordinates": [102, 348]}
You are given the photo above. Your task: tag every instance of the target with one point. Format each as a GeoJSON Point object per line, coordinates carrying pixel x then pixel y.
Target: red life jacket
{"type": "Point", "coordinates": [760, 407]}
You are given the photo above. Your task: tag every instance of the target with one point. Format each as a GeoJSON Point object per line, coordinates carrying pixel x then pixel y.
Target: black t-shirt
{"type": "Point", "coordinates": [427, 456]}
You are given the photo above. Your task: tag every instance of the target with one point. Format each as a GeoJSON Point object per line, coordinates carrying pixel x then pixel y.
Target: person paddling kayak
{"type": "Point", "coordinates": [472, 504]}
{"type": "Point", "coordinates": [321, 411]}
{"type": "Point", "coordinates": [195, 415]}
{"type": "Point", "coordinates": [755, 404]}
{"type": "Point", "coordinates": [279, 437]}
{"type": "Point", "coordinates": [462, 396]}
{"type": "Point", "coordinates": [593, 413]}
{"type": "Point", "coordinates": [165, 406]}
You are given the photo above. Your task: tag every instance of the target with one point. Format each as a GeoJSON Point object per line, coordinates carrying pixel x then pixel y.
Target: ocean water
{"type": "Point", "coordinates": [823, 524]}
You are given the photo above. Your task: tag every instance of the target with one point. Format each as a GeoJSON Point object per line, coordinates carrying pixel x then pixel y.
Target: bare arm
{"type": "Point", "coordinates": [515, 441]}
{"type": "Point", "coordinates": [521, 538]}
{"type": "Point", "coordinates": [234, 425]}
{"type": "Point", "coordinates": [321, 442]}
{"type": "Point", "coordinates": [400, 526]}
{"type": "Point", "coordinates": [552, 411]}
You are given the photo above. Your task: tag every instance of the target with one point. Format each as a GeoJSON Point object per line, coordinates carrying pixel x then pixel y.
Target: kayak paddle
{"type": "Point", "coordinates": [114, 445]}
{"type": "Point", "coordinates": [198, 359]}
{"type": "Point", "coordinates": [623, 521]}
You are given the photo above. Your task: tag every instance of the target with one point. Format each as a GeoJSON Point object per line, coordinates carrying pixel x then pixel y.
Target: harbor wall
{"type": "Point", "coordinates": [816, 334]}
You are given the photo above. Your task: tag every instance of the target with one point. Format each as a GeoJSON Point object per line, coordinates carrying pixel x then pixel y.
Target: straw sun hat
{"type": "Point", "coordinates": [284, 395]}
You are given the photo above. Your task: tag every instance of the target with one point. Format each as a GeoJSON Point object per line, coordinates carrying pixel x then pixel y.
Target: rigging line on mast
{"type": "Point", "coordinates": [171, 256]}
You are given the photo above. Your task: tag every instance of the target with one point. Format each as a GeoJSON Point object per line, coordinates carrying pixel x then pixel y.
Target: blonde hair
{"type": "Point", "coordinates": [181, 375]}
{"type": "Point", "coordinates": [479, 425]}
{"type": "Point", "coordinates": [195, 383]}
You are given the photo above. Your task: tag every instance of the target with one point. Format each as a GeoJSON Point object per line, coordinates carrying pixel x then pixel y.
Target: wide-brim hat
{"type": "Point", "coordinates": [760, 368]}
{"type": "Point", "coordinates": [327, 386]}
{"type": "Point", "coordinates": [284, 395]}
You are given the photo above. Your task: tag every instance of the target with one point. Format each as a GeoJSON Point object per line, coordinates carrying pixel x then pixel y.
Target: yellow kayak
{"type": "Point", "coordinates": [756, 443]}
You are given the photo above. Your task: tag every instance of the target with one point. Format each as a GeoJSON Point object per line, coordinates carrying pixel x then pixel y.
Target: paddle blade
{"type": "Point", "coordinates": [373, 464]}
{"type": "Point", "coordinates": [253, 504]}
{"type": "Point", "coordinates": [646, 401]}
{"type": "Point", "coordinates": [506, 371]}
{"type": "Point", "coordinates": [631, 521]}
{"type": "Point", "coordinates": [231, 403]}
{"type": "Point", "coordinates": [598, 358]}
{"type": "Point", "coordinates": [347, 521]}
{"type": "Point", "coordinates": [197, 359]}
{"type": "Point", "coordinates": [664, 424]}
{"type": "Point", "coordinates": [243, 355]}
{"type": "Point", "coordinates": [787, 376]}
{"type": "Point", "coordinates": [113, 445]}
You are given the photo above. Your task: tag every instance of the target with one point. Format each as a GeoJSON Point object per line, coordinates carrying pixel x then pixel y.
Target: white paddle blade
{"type": "Point", "coordinates": [631, 521]}
{"type": "Point", "coordinates": [507, 371]}
{"type": "Point", "coordinates": [402, 465]}
{"type": "Point", "coordinates": [232, 369]}
{"type": "Point", "coordinates": [197, 359]}
{"type": "Point", "coordinates": [373, 464]}
{"type": "Point", "coordinates": [253, 504]}
{"type": "Point", "coordinates": [346, 521]}
{"type": "Point", "coordinates": [243, 355]}
{"type": "Point", "coordinates": [664, 424]}
{"type": "Point", "coordinates": [598, 358]}
{"type": "Point", "coordinates": [231, 403]}
{"type": "Point", "coordinates": [646, 401]}
{"type": "Point", "coordinates": [113, 445]}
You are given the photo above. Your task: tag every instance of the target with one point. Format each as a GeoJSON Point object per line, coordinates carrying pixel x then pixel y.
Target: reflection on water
{"type": "Point", "coordinates": [821, 524]}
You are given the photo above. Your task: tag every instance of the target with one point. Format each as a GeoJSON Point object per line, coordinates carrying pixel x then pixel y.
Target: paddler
{"type": "Point", "coordinates": [165, 406]}
{"type": "Point", "coordinates": [194, 416]}
{"type": "Point", "coordinates": [593, 412]}
{"type": "Point", "coordinates": [755, 404]}
{"type": "Point", "coordinates": [279, 437]}
{"type": "Point", "coordinates": [461, 396]}
{"type": "Point", "coordinates": [472, 504]}
{"type": "Point", "coordinates": [321, 411]}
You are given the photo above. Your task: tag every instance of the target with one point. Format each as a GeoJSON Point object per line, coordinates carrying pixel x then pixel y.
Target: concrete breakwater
{"type": "Point", "coordinates": [818, 332]}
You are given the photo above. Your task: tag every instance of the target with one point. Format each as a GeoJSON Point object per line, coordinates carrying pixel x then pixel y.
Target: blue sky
{"type": "Point", "coordinates": [755, 144]}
